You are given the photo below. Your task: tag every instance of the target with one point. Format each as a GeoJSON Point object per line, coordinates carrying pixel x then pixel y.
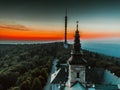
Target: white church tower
{"type": "Point", "coordinates": [77, 64]}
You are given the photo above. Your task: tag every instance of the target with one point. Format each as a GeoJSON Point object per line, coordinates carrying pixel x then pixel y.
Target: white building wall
{"type": "Point", "coordinates": [73, 70]}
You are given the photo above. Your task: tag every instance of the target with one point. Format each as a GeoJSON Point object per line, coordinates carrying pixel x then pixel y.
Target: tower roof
{"type": "Point", "coordinates": [76, 54]}
{"type": "Point", "coordinates": [77, 59]}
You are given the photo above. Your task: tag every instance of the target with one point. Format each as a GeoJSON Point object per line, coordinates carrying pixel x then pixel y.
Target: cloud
{"type": "Point", "coordinates": [13, 27]}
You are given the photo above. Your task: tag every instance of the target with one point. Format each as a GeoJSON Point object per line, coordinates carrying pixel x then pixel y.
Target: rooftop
{"type": "Point", "coordinates": [59, 76]}
{"type": "Point", "coordinates": [76, 86]}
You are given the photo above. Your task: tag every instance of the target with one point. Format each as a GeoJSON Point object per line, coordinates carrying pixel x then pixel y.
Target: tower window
{"type": "Point", "coordinates": [77, 75]}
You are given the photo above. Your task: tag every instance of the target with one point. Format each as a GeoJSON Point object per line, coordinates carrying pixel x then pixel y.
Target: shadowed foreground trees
{"type": "Point", "coordinates": [26, 67]}
{"type": "Point", "coordinates": [36, 85]}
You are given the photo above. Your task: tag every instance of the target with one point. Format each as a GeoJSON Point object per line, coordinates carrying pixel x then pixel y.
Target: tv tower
{"type": "Point", "coordinates": [65, 28]}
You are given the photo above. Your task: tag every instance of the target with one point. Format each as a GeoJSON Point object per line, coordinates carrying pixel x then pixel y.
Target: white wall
{"type": "Point", "coordinates": [73, 70]}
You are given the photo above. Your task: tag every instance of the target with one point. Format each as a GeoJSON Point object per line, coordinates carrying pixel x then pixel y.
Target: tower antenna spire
{"type": "Point", "coordinates": [66, 12]}
{"type": "Point", "coordinates": [77, 25]}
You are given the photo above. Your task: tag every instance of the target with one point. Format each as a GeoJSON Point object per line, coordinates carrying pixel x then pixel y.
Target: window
{"type": "Point", "coordinates": [77, 75]}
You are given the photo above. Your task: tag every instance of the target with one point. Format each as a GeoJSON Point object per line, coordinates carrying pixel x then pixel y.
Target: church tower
{"type": "Point", "coordinates": [77, 64]}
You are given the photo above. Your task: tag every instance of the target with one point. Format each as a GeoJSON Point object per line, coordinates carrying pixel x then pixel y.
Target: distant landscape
{"type": "Point", "coordinates": [110, 47]}
{"type": "Point", "coordinates": [27, 66]}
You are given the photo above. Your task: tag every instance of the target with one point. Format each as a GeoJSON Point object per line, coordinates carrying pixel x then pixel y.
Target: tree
{"type": "Point", "coordinates": [44, 73]}
{"type": "Point", "coordinates": [42, 80]}
{"type": "Point", "coordinates": [1, 87]}
{"type": "Point", "coordinates": [35, 72]}
{"type": "Point", "coordinates": [14, 88]}
{"type": "Point", "coordinates": [25, 85]}
{"type": "Point", "coordinates": [8, 79]}
{"type": "Point", "coordinates": [36, 85]}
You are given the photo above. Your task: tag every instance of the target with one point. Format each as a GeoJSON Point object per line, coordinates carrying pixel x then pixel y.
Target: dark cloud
{"type": "Point", "coordinates": [13, 27]}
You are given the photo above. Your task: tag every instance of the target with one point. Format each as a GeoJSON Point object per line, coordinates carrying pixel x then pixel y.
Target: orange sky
{"type": "Point", "coordinates": [18, 33]}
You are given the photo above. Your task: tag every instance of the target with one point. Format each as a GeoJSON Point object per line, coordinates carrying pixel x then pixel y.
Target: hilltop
{"type": "Point", "coordinates": [27, 66]}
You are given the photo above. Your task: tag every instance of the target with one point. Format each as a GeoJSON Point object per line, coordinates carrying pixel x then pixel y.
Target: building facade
{"type": "Point", "coordinates": [76, 62]}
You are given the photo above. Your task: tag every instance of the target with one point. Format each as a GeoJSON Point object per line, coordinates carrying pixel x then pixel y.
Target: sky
{"type": "Point", "coordinates": [44, 19]}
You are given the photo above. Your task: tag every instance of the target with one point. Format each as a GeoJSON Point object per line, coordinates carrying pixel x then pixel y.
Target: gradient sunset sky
{"type": "Point", "coordinates": [44, 19]}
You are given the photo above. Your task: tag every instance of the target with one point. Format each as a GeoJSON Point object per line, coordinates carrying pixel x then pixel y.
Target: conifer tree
{"type": "Point", "coordinates": [36, 85]}
{"type": "Point", "coordinates": [42, 80]}
{"type": "Point", "coordinates": [25, 85]}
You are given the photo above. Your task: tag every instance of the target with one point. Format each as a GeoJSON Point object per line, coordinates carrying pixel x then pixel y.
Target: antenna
{"type": "Point", "coordinates": [66, 12]}
{"type": "Point", "coordinates": [77, 24]}
{"type": "Point", "coordinates": [66, 27]}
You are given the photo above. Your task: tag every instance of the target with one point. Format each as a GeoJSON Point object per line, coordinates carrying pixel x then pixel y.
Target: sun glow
{"type": "Point", "coordinates": [33, 34]}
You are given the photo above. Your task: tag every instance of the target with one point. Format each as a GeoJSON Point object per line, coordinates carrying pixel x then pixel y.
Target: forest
{"type": "Point", "coordinates": [27, 66]}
